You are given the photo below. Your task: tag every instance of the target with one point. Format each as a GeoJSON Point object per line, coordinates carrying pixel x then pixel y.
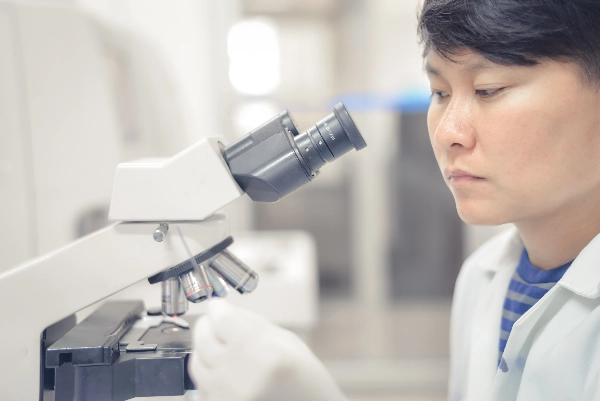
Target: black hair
{"type": "Point", "coordinates": [515, 32]}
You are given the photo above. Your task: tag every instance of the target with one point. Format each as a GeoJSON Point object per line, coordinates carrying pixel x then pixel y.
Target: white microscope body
{"type": "Point", "coordinates": [184, 191]}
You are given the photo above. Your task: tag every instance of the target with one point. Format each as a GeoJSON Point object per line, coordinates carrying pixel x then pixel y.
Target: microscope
{"type": "Point", "coordinates": [165, 229]}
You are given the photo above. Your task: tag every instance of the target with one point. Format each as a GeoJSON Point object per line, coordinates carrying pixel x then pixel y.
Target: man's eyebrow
{"type": "Point", "coordinates": [430, 70]}
{"type": "Point", "coordinates": [480, 65]}
{"type": "Point", "coordinates": [468, 67]}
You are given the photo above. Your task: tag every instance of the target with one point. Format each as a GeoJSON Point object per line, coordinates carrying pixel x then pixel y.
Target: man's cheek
{"type": "Point", "coordinates": [439, 157]}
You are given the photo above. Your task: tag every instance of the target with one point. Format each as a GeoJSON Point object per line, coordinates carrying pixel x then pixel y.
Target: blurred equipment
{"type": "Point", "coordinates": [181, 193]}
{"type": "Point", "coordinates": [427, 248]}
{"type": "Point", "coordinates": [55, 100]}
{"type": "Point", "coordinates": [286, 261]}
{"type": "Point", "coordinates": [76, 91]}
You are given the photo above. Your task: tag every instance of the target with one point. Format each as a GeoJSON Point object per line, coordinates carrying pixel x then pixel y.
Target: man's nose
{"type": "Point", "coordinates": [455, 127]}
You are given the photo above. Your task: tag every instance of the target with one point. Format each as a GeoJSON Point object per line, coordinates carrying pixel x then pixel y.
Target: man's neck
{"type": "Point", "coordinates": [558, 239]}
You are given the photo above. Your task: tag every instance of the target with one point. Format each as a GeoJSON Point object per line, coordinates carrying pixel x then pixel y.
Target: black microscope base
{"type": "Point", "coordinates": [91, 365]}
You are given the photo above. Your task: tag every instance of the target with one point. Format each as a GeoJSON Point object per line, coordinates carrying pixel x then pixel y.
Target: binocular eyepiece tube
{"type": "Point", "coordinates": [275, 159]}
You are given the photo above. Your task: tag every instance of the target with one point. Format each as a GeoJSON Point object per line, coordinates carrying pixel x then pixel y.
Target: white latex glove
{"type": "Point", "coordinates": [240, 356]}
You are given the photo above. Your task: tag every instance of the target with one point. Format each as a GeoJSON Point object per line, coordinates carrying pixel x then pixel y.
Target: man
{"type": "Point", "coordinates": [515, 126]}
{"type": "Point", "coordinates": [514, 123]}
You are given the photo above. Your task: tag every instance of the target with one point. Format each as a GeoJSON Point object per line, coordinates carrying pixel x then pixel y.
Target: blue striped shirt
{"type": "Point", "coordinates": [527, 286]}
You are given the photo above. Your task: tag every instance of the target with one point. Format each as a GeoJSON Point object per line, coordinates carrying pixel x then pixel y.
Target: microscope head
{"type": "Point", "coordinates": [268, 163]}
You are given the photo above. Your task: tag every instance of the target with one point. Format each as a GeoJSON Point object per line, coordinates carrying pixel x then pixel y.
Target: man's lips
{"type": "Point", "coordinates": [457, 176]}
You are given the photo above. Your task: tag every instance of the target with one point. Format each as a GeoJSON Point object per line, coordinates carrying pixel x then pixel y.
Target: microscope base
{"type": "Point", "coordinates": [99, 360]}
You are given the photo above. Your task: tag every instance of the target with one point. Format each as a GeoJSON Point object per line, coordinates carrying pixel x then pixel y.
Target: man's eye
{"type": "Point", "coordinates": [485, 93]}
{"type": "Point", "coordinates": [439, 95]}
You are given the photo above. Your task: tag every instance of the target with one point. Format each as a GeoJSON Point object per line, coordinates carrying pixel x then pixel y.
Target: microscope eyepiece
{"type": "Point", "coordinates": [350, 129]}
{"type": "Point", "coordinates": [275, 159]}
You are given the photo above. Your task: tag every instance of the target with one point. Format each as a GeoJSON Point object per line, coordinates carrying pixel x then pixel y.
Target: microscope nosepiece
{"type": "Point", "coordinates": [205, 275]}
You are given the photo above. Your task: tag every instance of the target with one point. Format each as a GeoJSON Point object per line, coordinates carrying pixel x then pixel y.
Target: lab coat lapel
{"type": "Point", "coordinates": [583, 277]}
{"type": "Point", "coordinates": [485, 333]}
{"type": "Point", "coordinates": [508, 380]}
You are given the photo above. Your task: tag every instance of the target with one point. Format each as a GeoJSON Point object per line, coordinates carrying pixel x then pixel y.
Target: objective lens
{"type": "Point", "coordinates": [218, 284]}
{"type": "Point", "coordinates": [235, 272]}
{"type": "Point", "coordinates": [174, 302]}
{"type": "Point", "coordinates": [195, 286]}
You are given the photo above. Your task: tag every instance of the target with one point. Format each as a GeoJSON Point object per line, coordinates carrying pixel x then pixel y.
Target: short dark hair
{"type": "Point", "coordinates": [515, 32]}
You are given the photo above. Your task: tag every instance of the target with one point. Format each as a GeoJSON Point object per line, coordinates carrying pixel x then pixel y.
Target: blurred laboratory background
{"type": "Point", "coordinates": [361, 263]}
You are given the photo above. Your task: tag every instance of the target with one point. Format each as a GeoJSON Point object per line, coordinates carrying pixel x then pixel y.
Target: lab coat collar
{"type": "Point", "coordinates": [583, 277]}
{"type": "Point", "coordinates": [502, 251]}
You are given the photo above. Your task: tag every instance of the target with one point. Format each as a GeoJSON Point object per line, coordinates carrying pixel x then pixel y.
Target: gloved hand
{"type": "Point", "coordinates": [240, 356]}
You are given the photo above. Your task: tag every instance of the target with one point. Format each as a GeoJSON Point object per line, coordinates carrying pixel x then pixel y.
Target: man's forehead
{"type": "Point", "coordinates": [464, 61]}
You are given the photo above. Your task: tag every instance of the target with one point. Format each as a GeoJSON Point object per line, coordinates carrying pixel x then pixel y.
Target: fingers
{"type": "Point", "coordinates": [209, 353]}
{"type": "Point", "coordinates": [232, 324]}
{"type": "Point", "coordinates": [208, 349]}
{"type": "Point", "coordinates": [223, 329]}
{"type": "Point", "coordinates": [240, 356]}
{"type": "Point", "coordinates": [233, 357]}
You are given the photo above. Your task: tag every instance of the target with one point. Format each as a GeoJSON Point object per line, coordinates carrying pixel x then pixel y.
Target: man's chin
{"type": "Point", "coordinates": [480, 216]}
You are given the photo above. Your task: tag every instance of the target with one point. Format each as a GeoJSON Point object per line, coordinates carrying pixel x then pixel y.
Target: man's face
{"type": "Point", "coordinates": [514, 143]}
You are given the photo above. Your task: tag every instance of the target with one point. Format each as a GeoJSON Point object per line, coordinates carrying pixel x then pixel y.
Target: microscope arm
{"type": "Point", "coordinates": [47, 289]}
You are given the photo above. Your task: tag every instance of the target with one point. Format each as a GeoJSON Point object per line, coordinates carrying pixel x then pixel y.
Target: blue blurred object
{"type": "Point", "coordinates": [413, 101]}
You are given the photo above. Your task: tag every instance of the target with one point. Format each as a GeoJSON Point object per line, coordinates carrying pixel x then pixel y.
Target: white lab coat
{"type": "Point", "coordinates": [553, 352]}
